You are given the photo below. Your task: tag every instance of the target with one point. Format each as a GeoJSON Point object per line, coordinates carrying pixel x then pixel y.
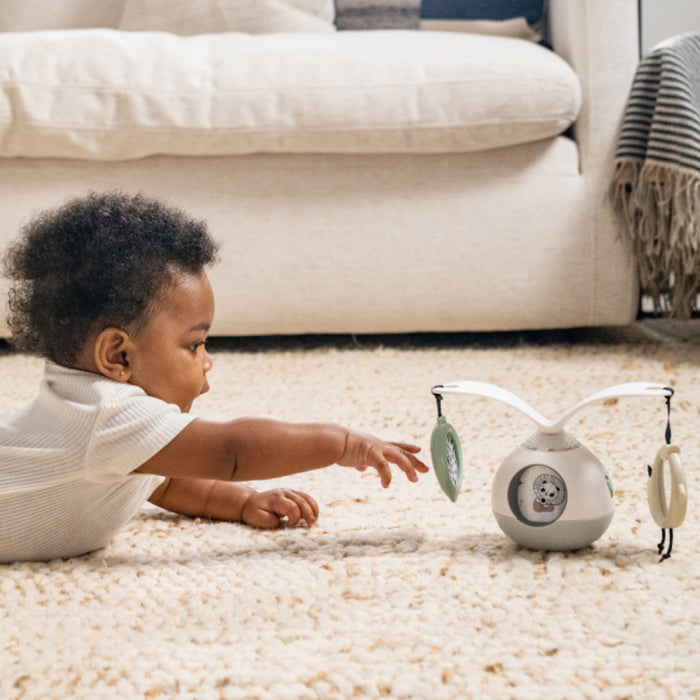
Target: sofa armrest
{"type": "Point", "coordinates": [600, 40]}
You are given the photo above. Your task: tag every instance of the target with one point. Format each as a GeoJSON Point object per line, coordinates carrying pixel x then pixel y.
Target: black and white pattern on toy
{"type": "Point", "coordinates": [549, 489]}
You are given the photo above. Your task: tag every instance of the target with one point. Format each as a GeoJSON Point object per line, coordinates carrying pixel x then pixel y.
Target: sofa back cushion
{"type": "Point", "coordinates": [188, 17]}
{"type": "Point", "coordinates": [177, 16]}
{"type": "Point", "coordinates": [33, 15]}
{"type": "Point", "coordinates": [105, 94]}
{"type": "Point", "coordinates": [520, 18]}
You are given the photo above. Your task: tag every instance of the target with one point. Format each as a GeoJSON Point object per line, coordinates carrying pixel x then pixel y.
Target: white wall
{"type": "Point", "coordinates": [664, 18]}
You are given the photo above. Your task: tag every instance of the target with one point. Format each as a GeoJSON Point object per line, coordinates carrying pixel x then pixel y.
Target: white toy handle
{"type": "Point", "coordinates": [491, 391]}
{"type": "Point", "coordinates": [668, 514]}
{"type": "Point", "coordinates": [614, 392]}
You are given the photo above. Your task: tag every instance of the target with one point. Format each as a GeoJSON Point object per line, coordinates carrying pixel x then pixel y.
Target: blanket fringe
{"type": "Point", "coordinates": [659, 211]}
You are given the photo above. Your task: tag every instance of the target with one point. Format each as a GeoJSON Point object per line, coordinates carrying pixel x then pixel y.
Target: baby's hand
{"type": "Point", "coordinates": [268, 509]}
{"type": "Point", "coordinates": [362, 451]}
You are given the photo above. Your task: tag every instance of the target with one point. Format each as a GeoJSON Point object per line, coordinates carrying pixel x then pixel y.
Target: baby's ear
{"type": "Point", "coordinates": [110, 354]}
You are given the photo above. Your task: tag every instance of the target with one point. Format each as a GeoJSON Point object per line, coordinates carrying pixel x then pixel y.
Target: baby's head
{"type": "Point", "coordinates": [98, 262]}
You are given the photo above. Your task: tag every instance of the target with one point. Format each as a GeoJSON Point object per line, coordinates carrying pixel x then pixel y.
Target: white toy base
{"type": "Point", "coordinates": [566, 536]}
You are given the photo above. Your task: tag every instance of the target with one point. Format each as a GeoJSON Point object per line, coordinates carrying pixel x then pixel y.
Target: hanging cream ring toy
{"type": "Point", "coordinates": [668, 513]}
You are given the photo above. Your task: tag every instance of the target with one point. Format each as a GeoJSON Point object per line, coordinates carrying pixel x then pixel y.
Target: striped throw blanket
{"type": "Point", "coordinates": [656, 185]}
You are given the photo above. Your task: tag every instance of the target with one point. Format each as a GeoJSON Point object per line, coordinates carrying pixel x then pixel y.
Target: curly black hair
{"type": "Point", "coordinates": [96, 262]}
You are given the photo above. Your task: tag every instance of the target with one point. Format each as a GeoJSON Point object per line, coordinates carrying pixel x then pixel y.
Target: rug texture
{"type": "Point", "coordinates": [398, 593]}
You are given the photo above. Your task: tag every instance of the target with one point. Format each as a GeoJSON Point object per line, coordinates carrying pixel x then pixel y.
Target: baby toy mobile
{"type": "Point", "coordinates": [552, 492]}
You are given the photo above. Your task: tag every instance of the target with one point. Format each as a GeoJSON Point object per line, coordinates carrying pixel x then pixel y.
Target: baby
{"type": "Point", "coordinates": [111, 289]}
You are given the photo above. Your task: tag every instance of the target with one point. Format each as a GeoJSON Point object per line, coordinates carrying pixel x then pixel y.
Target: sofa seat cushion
{"type": "Point", "coordinates": [112, 95]}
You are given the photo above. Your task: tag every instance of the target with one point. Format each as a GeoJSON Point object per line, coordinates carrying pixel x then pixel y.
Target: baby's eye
{"type": "Point", "coordinates": [195, 346]}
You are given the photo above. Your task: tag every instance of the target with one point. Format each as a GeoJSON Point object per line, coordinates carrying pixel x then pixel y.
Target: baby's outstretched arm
{"type": "Point", "coordinates": [204, 460]}
{"type": "Point", "coordinates": [251, 449]}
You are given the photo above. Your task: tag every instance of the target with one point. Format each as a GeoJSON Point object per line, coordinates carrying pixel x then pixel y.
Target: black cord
{"type": "Point", "coordinates": [667, 554]}
{"type": "Point", "coordinates": [438, 399]}
{"type": "Point", "coordinates": [668, 415]}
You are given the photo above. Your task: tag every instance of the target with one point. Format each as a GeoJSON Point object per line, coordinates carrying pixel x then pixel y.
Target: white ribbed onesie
{"type": "Point", "coordinates": [66, 460]}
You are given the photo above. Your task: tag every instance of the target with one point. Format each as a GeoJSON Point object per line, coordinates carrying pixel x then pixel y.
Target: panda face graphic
{"type": "Point", "coordinates": [550, 492]}
{"type": "Point", "coordinates": [538, 495]}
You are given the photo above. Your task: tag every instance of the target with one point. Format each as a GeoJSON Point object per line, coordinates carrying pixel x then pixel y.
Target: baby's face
{"type": "Point", "coordinates": [168, 359]}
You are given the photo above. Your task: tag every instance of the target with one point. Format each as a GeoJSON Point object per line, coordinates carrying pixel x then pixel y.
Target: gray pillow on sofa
{"type": "Point", "coordinates": [515, 18]}
{"type": "Point", "coordinates": [377, 14]}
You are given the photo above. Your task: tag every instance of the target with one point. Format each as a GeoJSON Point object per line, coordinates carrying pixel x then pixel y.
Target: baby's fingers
{"type": "Point", "coordinates": [308, 508]}
{"type": "Point", "coordinates": [405, 460]}
{"type": "Point", "coordinates": [296, 506]}
{"type": "Point", "coordinates": [407, 451]}
{"type": "Point", "coordinates": [383, 468]}
{"type": "Point", "coordinates": [270, 509]}
{"type": "Point", "coordinates": [406, 447]}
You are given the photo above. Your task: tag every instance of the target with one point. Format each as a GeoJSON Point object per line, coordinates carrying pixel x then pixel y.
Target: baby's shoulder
{"type": "Point", "coordinates": [86, 388]}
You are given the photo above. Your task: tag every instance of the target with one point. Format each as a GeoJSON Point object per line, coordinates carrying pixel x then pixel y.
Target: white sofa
{"type": "Point", "coordinates": [359, 182]}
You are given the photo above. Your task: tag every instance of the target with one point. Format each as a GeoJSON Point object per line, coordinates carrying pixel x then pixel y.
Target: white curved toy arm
{"type": "Point", "coordinates": [491, 391]}
{"type": "Point", "coordinates": [613, 392]}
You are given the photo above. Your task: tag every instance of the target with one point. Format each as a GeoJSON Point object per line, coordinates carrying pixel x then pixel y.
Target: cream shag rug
{"type": "Point", "coordinates": [398, 593]}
